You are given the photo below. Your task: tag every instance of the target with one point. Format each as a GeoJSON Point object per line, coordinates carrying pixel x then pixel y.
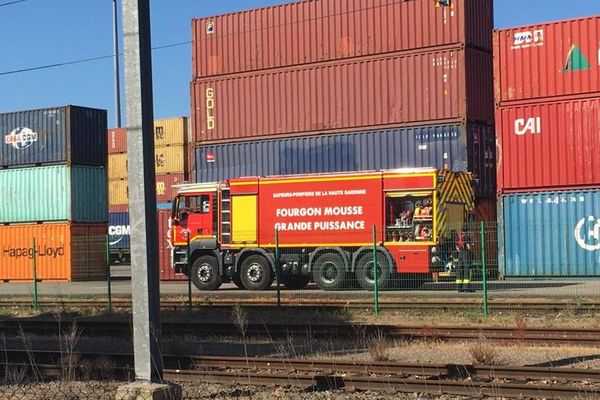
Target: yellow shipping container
{"type": "Point", "coordinates": [170, 160]}
{"type": "Point", "coordinates": [170, 131]}
{"type": "Point", "coordinates": [118, 192]}
{"type": "Point", "coordinates": [167, 160]}
{"type": "Point", "coordinates": [117, 166]}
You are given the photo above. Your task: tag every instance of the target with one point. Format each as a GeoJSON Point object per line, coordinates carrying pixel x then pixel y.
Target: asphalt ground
{"type": "Point", "coordinates": [121, 286]}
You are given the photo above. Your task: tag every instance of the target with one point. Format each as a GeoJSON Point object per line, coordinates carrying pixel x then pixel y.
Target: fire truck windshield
{"type": "Point", "coordinates": [197, 204]}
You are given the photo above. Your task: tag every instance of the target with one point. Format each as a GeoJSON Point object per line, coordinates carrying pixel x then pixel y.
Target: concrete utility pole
{"type": "Point", "coordinates": [142, 193]}
{"type": "Point", "coordinates": [116, 66]}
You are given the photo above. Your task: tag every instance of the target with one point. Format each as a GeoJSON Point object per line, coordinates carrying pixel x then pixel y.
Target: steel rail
{"type": "Point", "coordinates": [342, 374]}
{"type": "Point", "coordinates": [99, 327]}
{"type": "Point", "coordinates": [449, 304]}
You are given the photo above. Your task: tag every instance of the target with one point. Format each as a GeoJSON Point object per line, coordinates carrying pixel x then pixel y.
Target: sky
{"type": "Point", "coordinates": [42, 32]}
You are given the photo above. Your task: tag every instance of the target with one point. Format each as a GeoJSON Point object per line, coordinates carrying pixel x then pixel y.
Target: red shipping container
{"type": "Point", "coordinates": [117, 140]}
{"type": "Point", "coordinates": [164, 186]}
{"type": "Point", "coordinates": [550, 146]}
{"type": "Point", "coordinates": [119, 208]}
{"type": "Point", "coordinates": [441, 86]}
{"type": "Point", "coordinates": [548, 60]}
{"type": "Point", "coordinates": [167, 273]}
{"type": "Point", "coordinates": [324, 30]}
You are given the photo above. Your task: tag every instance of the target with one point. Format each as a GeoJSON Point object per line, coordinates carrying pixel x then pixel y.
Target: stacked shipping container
{"type": "Point", "coordinates": [172, 168]}
{"type": "Point", "coordinates": [547, 88]}
{"type": "Point", "coordinates": [342, 85]}
{"type": "Point", "coordinates": [53, 195]}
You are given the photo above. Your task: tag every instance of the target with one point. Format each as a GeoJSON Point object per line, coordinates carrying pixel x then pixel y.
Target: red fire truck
{"type": "Point", "coordinates": [322, 224]}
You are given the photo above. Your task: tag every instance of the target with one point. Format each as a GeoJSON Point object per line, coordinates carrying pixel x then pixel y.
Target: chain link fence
{"type": "Point", "coordinates": [468, 264]}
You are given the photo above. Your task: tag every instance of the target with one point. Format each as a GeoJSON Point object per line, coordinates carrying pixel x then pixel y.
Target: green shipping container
{"type": "Point", "coordinates": [54, 193]}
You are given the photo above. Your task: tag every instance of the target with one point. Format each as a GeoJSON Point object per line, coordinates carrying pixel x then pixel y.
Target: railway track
{"type": "Point", "coordinates": [122, 328]}
{"type": "Point", "coordinates": [450, 304]}
{"type": "Point", "coordinates": [466, 380]}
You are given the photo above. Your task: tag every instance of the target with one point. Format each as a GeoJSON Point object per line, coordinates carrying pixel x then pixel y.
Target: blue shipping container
{"type": "Point", "coordinates": [63, 135]}
{"type": "Point", "coordinates": [457, 147]}
{"type": "Point", "coordinates": [551, 234]}
{"type": "Point", "coordinates": [118, 230]}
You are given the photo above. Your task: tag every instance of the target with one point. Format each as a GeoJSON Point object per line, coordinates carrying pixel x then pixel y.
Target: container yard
{"type": "Point", "coordinates": [394, 196]}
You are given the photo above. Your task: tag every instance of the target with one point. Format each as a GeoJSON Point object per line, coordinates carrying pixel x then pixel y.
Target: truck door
{"type": "Point", "coordinates": [198, 216]}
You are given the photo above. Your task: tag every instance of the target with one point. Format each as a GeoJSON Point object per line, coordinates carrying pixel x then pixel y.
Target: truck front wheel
{"type": "Point", "coordinates": [365, 274]}
{"type": "Point", "coordinates": [329, 272]}
{"type": "Point", "coordinates": [256, 273]}
{"type": "Point", "coordinates": [205, 273]}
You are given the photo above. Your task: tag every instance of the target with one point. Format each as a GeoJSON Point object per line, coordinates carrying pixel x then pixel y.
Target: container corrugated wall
{"type": "Point", "coordinates": [547, 60]}
{"type": "Point", "coordinates": [398, 89]}
{"type": "Point", "coordinates": [64, 135]}
{"type": "Point", "coordinates": [117, 141]}
{"type": "Point", "coordinates": [552, 234]}
{"type": "Point", "coordinates": [167, 160]}
{"type": "Point", "coordinates": [167, 132]}
{"type": "Point", "coordinates": [65, 252]}
{"type": "Point", "coordinates": [457, 147]}
{"type": "Point", "coordinates": [323, 30]}
{"type": "Point", "coordinates": [119, 230]}
{"type": "Point", "coordinates": [167, 273]}
{"type": "Point", "coordinates": [53, 193]}
{"type": "Point", "coordinates": [170, 131]}
{"type": "Point", "coordinates": [118, 191]}
{"type": "Point", "coordinates": [549, 146]}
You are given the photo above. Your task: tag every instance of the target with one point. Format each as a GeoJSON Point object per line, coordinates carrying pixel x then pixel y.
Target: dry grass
{"type": "Point", "coordinates": [484, 353]}
{"type": "Point", "coordinates": [379, 348]}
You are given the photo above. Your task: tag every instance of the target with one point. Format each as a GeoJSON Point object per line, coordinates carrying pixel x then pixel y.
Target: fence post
{"type": "Point", "coordinates": [486, 310]}
{"type": "Point", "coordinates": [189, 269]}
{"type": "Point", "coordinates": [35, 304]}
{"type": "Point", "coordinates": [375, 273]}
{"type": "Point", "coordinates": [277, 272]}
{"type": "Point", "coordinates": [108, 278]}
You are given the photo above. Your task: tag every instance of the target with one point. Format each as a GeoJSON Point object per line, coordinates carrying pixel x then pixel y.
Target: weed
{"type": "Point", "coordinates": [379, 348]}
{"type": "Point", "coordinates": [483, 352]}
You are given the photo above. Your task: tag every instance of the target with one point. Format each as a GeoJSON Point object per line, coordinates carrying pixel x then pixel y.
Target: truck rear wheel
{"type": "Point", "coordinates": [365, 273]}
{"type": "Point", "coordinates": [205, 273]}
{"type": "Point", "coordinates": [295, 282]}
{"type": "Point", "coordinates": [329, 272]}
{"type": "Point", "coordinates": [237, 280]}
{"type": "Point", "coordinates": [255, 273]}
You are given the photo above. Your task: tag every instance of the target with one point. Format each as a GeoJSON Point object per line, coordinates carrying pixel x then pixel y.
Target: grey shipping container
{"type": "Point", "coordinates": [458, 147]}
{"type": "Point", "coordinates": [550, 234]}
{"type": "Point", "coordinates": [62, 135]}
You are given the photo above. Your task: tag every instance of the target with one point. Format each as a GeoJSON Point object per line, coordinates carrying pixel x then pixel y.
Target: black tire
{"type": "Point", "coordinates": [364, 271]}
{"type": "Point", "coordinates": [295, 282]}
{"type": "Point", "coordinates": [205, 273]}
{"type": "Point", "coordinates": [256, 273]}
{"type": "Point", "coordinates": [235, 278]}
{"type": "Point", "coordinates": [329, 272]}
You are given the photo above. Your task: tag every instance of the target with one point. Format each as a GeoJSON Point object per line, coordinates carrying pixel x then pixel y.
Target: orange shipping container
{"type": "Point", "coordinates": [118, 192]}
{"type": "Point", "coordinates": [170, 131]}
{"type": "Point", "coordinates": [63, 252]}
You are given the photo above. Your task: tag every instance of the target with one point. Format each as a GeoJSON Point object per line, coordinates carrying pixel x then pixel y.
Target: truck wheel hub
{"type": "Point", "coordinates": [329, 272]}
{"type": "Point", "coordinates": [255, 273]}
{"type": "Point", "coordinates": [204, 273]}
{"type": "Point", "coordinates": [370, 272]}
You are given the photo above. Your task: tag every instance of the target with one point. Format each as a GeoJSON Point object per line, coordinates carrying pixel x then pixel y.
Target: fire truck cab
{"type": "Point", "coordinates": [324, 227]}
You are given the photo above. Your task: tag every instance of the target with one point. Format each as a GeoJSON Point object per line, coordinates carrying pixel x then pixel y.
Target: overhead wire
{"type": "Point", "coordinates": [10, 3]}
{"type": "Point", "coordinates": [295, 22]}
{"type": "Point", "coordinates": [83, 60]}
